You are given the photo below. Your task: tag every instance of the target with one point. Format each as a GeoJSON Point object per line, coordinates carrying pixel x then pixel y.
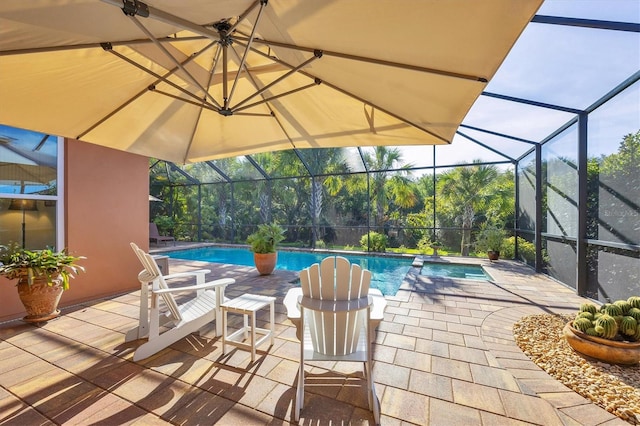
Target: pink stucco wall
{"type": "Point", "coordinates": [106, 207]}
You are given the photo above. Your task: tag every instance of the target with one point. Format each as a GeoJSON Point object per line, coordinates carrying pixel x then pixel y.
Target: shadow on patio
{"type": "Point", "coordinates": [444, 354]}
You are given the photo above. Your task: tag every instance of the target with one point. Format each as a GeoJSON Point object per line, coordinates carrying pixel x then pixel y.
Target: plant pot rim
{"type": "Point", "coordinates": [605, 350]}
{"type": "Point", "coordinates": [596, 339]}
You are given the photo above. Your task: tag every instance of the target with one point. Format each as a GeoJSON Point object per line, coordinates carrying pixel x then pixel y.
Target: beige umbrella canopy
{"type": "Point", "coordinates": [192, 80]}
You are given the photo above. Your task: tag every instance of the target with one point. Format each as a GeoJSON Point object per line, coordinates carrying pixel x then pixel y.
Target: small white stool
{"type": "Point", "coordinates": [247, 305]}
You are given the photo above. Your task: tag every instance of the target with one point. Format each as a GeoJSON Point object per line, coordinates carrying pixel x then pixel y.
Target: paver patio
{"type": "Point", "coordinates": [444, 355]}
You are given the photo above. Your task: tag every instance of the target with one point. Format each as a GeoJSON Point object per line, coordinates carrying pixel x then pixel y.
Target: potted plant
{"type": "Point", "coordinates": [42, 277]}
{"type": "Point", "coordinates": [609, 333]}
{"type": "Point", "coordinates": [490, 240]}
{"type": "Point", "coordinates": [263, 244]}
{"type": "Point", "coordinates": [436, 245]}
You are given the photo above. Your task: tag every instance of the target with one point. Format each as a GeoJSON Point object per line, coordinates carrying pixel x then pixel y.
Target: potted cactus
{"type": "Point", "coordinates": [610, 333]}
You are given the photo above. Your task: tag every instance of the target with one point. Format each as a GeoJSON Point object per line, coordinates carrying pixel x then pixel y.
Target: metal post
{"type": "Point", "coordinates": [233, 215]}
{"type": "Point", "coordinates": [516, 185]}
{"type": "Point", "coordinates": [199, 212]}
{"type": "Point", "coordinates": [581, 237]}
{"type": "Point", "coordinates": [538, 213]}
{"type": "Point", "coordinates": [368, 211]}
{"type": "Point", "coordinates": [433, 232]}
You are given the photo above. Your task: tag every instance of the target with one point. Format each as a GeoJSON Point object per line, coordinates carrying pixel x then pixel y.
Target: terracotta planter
{"type": "Point", "coordinates": [265, 262]}
{"type": "Point", "coordinates": [40, 299]}
{"type": "Point", "coordinates": [493, 255]}
{"type": "Point", "coordinates": [610, 351]}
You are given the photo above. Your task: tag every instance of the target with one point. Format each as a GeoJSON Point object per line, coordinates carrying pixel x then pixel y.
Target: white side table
{"type": "Point", "coordinates": [248, 305]}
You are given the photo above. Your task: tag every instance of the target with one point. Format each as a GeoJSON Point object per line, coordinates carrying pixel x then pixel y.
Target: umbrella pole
{"type": "Point", "coordinates": [24, 226]}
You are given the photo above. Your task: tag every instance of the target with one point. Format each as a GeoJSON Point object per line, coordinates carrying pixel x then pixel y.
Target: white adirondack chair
{"type": "Point", "coordinates": [334, 315]}
{"type": "Point", "coordinates": [141, 331]}
{"type": "Point", "coordinates": [183, 319]}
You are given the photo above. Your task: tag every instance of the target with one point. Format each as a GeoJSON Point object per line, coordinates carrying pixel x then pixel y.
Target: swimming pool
{"type": "Point", "coordinates": [454, 270]}
{"type": "Point", "coordinates": [387, 272]}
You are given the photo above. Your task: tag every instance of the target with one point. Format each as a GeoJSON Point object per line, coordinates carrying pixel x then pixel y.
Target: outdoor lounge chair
{"type": "Point", "coordinates": [154, 235]}
{"type": "Point", "coordinates": [334, 320]}
{"type": "Point", "coordinates": [375, 317]}
{"type": "Point", "coordinates": [171, 321]}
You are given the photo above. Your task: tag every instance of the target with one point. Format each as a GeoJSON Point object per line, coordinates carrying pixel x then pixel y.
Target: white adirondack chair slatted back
{"type": "Point", "coordinates": [335, 279]}
{"type": "Point", "coordinates": [153, 270]}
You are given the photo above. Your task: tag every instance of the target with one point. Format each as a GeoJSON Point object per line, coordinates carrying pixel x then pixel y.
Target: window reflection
{"type": "Point", "coordinates": [28, 188]}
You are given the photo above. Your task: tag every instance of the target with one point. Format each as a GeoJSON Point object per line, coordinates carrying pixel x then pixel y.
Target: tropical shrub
{"type": "Point", "coordinates": [374, 241]}
{"type": "Point", "coordinates": [165, 224]}
{"type": "Point", "coordinates": [526, 249]}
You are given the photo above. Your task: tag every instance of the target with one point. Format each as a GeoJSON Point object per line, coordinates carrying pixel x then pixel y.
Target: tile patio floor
{"type": "Point", "coordinates": [444, 355]}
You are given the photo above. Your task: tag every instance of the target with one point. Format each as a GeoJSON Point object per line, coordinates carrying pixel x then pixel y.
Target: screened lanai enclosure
{"type": "Point", "coordinates": [550, 152]}
{"type": "Point", "coordinates": [377, 126]}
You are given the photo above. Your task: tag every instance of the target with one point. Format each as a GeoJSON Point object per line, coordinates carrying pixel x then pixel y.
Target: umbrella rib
{"type": "Point", "coordinates": [290, 92]}
{"type": "Point", "coordinates": [167, 18]}
{"type": "Point", "coordinates": [202, 105]}
{"type": "Point", "coordinates": [171, 57]}
{"type": "Point", "coordinates": [111, 114]}
{"type": "Point", "coordinates": [136, 96]}
{"type": "Point", "coordinates": [95, 45]}
{"type": "Point", "coordinates": [246, 51]}
{"type": "Point", "coordinates": [345, 92]}
{"type": "Point", "coordinates": [254, 83]}
{"type": "Point", "coordinates": [396, 116]}
{"type": "Point", "coordinates": [370, 60]}
{"type": "Point", "coordinates": [148, 71]}
{"type": "Point", "coordinates": [244, 15]}
{"type": "Point", "coordinates": [316, 55]}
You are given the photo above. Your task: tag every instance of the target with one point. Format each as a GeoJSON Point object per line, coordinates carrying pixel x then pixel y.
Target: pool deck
{"type": "Point", "coordinates": [444, 355]}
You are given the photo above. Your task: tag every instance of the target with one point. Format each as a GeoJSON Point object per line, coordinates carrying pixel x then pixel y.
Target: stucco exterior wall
{"type": "Point", "coordinates": [106, 207]}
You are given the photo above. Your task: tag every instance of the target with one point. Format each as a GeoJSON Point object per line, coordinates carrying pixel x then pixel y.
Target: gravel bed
{"type": "Point", "coordinates": [614, 388]}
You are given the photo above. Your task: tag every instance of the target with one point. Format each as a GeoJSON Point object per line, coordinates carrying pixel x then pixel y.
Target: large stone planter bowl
{"type": "Point", "coordinates": [610, 351]}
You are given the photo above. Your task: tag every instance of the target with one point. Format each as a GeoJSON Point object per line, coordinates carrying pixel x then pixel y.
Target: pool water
{"type": "Point", "coordinates": [454, 270]}
{"type": "Point", "coordinates": [387, 272]}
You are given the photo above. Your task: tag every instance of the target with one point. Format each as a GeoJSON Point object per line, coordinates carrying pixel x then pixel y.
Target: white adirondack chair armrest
{"type": "Point", "coordinates": [379, 305]}
{"type": "Point", "coordinates": [335, 305]}
{"type": "Point", "coordinates": [187, 274]}
{"type": "Point", "coordinates": [293, 312]}
{"type": "Point", "coordinates": [145, 277]}
{"type": "Point", "coordinates": [290, 302]}
{"type": "Point", "coordinates": [223, 282]}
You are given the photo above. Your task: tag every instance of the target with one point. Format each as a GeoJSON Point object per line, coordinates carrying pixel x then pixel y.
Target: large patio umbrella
{"type": "Point", "coordinates": [191, 80]}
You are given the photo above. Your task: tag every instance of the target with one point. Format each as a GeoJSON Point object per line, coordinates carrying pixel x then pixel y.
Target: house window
{"type": "Point", "coordinates": [30, 189]}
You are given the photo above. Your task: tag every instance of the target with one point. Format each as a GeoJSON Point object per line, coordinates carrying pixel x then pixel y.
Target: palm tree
{"type": "Point", "coordinates": [396, 189]}
{"type": "Point", "coordinates": [324, 163]}
{"type": "Point", "coordinates": [467, 190]}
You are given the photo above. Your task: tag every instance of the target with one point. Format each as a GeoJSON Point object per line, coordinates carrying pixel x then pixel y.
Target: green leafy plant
{"type": "Point", "coordinates": [16, 263]}
{"type": "Point", "coordinates": [375, 241]}
{"type": "Point", "coordinates": [612, 321]}
{"type": "Point", "coordinates": [428, 245]}
{"type": "Point", "coordinates": [490, 238]}
{"type": "Point", "coordinates": [165, 224]}
{"type": "Point", "coordinates": [266, 238]}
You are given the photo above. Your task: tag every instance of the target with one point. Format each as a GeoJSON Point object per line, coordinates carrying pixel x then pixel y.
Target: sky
{"type": "Point", "coordinates": [566, 66]}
